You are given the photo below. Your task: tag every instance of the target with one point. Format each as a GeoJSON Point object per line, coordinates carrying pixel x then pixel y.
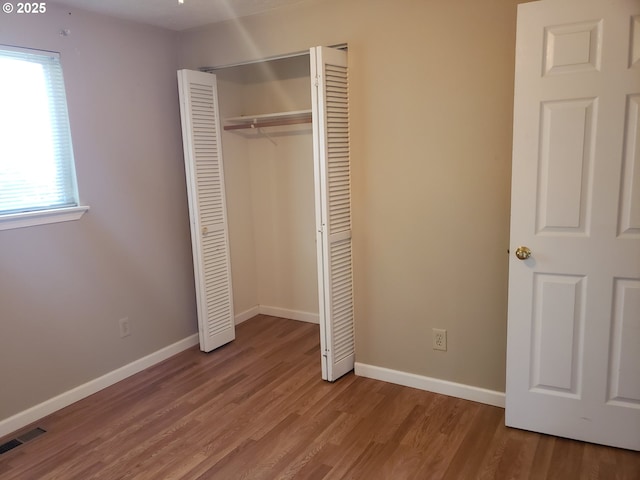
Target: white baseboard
{"type": "Point", "coordinates": [247, 314]}
{"type": "Point", "coordinates": [35, 413]}
{"type": "Point", "coordinates": [290, 314]}
{"type": "Point", "coordinates": [435, 385]}
{"type": "Point", "coordinates": [277, 312]}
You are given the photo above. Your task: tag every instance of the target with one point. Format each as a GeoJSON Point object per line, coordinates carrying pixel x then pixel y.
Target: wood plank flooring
{"type": "Point", "coordinates": [257, 409]}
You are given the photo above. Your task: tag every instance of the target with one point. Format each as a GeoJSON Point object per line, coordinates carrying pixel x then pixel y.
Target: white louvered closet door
{"type": "Point", "coordinates": [207, 207]}
{"type": "Point", "coordinates": [330, 103]}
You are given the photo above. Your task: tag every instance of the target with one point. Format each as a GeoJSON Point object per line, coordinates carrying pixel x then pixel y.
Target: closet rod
{"type": "Point", "coordinates": [270, 123]}
{"type": "Point", "coordinates": [214, 68]}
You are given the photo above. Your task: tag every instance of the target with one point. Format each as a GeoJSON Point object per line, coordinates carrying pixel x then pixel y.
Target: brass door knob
{"type": "Point", "coordinates": [523, 253]}
{"type": "Point", "coordinates": [205, 230]}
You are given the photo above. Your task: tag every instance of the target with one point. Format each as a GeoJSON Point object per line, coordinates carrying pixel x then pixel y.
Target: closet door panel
{"type": "Point", "coordinates": [330, 101]}
{"type": "Point", "coordinates": [207, 207]}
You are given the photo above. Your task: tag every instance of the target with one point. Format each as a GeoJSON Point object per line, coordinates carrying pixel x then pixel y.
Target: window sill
{"type": "Point", "coordinates": [41, 217]}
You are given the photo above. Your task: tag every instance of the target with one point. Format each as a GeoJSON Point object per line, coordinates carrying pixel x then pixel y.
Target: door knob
{"type": "Point", "coordinates": [523, 253]}
{"type": "Point", "coordinates": [205, 230]}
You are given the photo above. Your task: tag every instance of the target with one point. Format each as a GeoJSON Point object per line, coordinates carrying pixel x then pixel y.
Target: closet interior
{"type": "Point", "coordinates": [270, 197]}
{"type": "Point", "coordinates": [265, 112]}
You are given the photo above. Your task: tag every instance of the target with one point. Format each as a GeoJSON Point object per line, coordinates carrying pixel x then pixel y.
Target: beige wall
{"type": "Point", "coordinates": [64, 286]}
{"type": "Point", "coordinates": [237, 173]}
{"type": "Point", "coordinates": [269, 182]}
{"type": "Point", "coordinates": [431, 109]}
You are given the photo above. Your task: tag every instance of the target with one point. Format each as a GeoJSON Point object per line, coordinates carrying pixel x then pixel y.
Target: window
{"type": "Point", "coordinates": [37, 173]}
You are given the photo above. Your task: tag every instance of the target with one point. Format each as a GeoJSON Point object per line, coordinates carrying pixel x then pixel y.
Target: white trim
{"type": "Point", "coordinates": [290, 314]}
{"type": "Point", "coordinates": [30, 51]}
{"type": "Point", "coordinates": [65, 399]}
{"type": "Point", "coordinates": [277, 312]}
{"type": "Point", "coordinates": [435, 385]}
{"type": "Point", "coordinates": [247, 314]}
{"type": "Point", "coordinates": [41, 217]}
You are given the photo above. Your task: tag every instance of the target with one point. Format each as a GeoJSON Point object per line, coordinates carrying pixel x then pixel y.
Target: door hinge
{"type": "Point", "coordinates": [325, 354]}
{"type": "Point", "coordinates": [316, 81]}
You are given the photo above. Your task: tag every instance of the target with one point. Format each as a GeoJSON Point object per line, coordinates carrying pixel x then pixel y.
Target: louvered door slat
{"type": "Point", "coordinates": [207, 208]}
{"type": "Point", "coordinates": [333, 212]}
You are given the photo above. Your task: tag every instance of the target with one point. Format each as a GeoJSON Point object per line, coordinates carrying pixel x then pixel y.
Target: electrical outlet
{"type": "Point", "coordinates": [439, 339]}
{"type": "Point", "coordinates": [125, 327]}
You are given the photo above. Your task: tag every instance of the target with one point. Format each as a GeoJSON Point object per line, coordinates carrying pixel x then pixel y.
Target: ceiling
{"type": "Point", "coordinates": [169, 14]}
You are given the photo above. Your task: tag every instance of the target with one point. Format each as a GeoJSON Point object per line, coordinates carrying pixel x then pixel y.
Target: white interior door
{"type": "Point", "coordinates": [207, 207]}
{"type": "Point", "coordinates": [330, 104]}
{"type": "Point", "coordinates": [573, 359]}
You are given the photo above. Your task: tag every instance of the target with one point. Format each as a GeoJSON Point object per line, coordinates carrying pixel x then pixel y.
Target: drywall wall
{"type": "Point", "coordinates": [269, 182]}
{"type": "Point", "coordinates": [431, 87]}
{"type": "Point", "coordinates": [239, 198]}
{"type": "Point", "coordinates": [63, 287]}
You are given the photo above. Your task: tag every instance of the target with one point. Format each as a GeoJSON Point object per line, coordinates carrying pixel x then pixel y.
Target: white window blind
{"type": "Point", "coordinates": [36, 156]}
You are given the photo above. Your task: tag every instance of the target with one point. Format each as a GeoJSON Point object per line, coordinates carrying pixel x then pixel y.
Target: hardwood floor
{"type": "Point", "coordinates": [257, 409]}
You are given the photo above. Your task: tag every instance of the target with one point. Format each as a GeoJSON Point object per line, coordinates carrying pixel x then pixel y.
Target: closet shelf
{"type": "Point", "coordinates": [268, 120]}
